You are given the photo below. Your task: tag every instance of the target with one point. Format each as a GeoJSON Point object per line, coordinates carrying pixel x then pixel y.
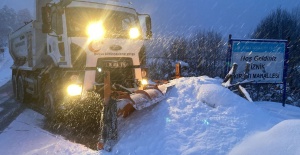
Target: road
{"type": "Point", "coordinates": [9, 107]}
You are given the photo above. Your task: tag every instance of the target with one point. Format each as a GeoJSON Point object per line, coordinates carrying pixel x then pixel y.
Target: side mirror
{"type": "Point", "coordinates": [149, 27]}
{"type": "Point", "coordinates": [46, 18]}
{"type": "Point", "coordinates": [145, 22]}
{"type": "Point", "coordinates": [65, 3]}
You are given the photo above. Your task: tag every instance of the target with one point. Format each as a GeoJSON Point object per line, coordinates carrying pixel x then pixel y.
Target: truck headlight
{"type": "Point", "coordinates": [144, 82]}
{"type": "Point", "coordinates": [96, 31]}
{"type": "Point", "coordinates": [99, 69]}
{"type": "Point", "coordinates": [134, 33]}
{"type": "Point", "coordinates": [74, 89]}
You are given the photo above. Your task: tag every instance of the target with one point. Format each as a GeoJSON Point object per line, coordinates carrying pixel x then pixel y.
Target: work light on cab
{"type": "Point", "coordinates": [74, 89]}
{"type": "Point", "coordinates": [96, 31]}
{"type": "Point", "coordinates": [134, 33]}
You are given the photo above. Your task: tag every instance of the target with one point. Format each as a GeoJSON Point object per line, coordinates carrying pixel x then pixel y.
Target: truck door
{"type": "Point", "coordinates": [56, 44]}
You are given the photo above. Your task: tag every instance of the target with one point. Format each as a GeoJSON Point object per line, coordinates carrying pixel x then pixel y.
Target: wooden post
{"type": "Point", "coordinates": [231, 73]}
{"type": "Point", "coordinates": [177, 71]}
{"type": "Point", "coordinates": [247, 70]}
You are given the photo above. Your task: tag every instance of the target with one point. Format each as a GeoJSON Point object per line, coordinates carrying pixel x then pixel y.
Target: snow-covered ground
{"type": "Point", "coordinates": [199, 116]}
{"type": "Point", "coordinates": [5, 71]}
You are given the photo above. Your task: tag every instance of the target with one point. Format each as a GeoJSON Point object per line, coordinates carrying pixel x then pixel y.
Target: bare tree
{"type": "Point", "coordinates": [23, 17]}
{"type": "Point", "coordinates": [204, 53]}
{"type": "Point", "coordinates": [10, 21]}
{"type": "Point", "coordinates": [208, 53]}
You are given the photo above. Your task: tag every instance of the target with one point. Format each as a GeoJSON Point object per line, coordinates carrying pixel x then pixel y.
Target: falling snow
{"type": "Point", "coordinates": [199, 116]}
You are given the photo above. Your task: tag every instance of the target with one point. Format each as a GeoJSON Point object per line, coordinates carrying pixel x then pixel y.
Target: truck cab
{"type": "Point", "coordinates": [69, 48]}
{"type": "Point", "coordinates": [93, 36]}
{"type": "Point", "coordinates": [84, 51]}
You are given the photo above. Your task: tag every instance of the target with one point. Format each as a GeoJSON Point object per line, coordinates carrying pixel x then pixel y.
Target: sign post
{"type": "Point", "coordinates": [267, 59]}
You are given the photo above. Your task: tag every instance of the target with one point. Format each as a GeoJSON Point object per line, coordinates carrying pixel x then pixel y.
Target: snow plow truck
{"type": "Point", "coordinates": [74, 47]}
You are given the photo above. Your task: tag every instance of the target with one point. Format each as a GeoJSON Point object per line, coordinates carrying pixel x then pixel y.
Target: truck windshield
{"type": "Point", "coordinates": [116, 24]}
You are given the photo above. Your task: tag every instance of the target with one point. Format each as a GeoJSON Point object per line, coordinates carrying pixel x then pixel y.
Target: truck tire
{"type": "Point", "coordinates": [14, 84]}
{"type": "Point", "coordinates": [22, 96]}
{"type": "Point", "coordinates": [49, 107]}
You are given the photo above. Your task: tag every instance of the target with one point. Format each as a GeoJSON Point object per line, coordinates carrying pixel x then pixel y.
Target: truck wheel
{"type": "Point", "coordinates": [49, 102]}
{"type": "Point", "coordinates": [22, 96]}
{"type": "Point", "coordinates": [14, 84]}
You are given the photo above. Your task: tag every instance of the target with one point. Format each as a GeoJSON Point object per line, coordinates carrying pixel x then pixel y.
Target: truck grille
{"type": "Point", "coordinates": [120, 69]}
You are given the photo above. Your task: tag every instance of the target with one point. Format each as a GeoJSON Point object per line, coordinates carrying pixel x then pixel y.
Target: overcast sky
{"type": "Point", "coordinates": [237, 17]}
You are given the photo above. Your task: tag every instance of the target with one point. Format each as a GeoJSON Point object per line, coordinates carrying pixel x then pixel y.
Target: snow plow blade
{"type": "Point", "coordinates": [121, 103]}
{"type": "Point", "coordinates": [141, 99]}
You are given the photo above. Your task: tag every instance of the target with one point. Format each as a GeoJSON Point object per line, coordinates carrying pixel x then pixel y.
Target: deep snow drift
{"type": "Point", "coordinates": [199, 116]}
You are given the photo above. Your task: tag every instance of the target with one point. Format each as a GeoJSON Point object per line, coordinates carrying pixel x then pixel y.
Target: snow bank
{"type": "Point", "coordinates": [281, 139]}
{"type": "Point", "coordinates": [198, 117]}
{"type": "Point", "coordinates": [5, 71]}
{"type": "Point", "coordinates": [278, 112]}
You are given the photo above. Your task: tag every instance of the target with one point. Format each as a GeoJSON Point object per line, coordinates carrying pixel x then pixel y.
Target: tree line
{"type": "Point", "coordinates": [11, 20]}
{"type": "Point", "coordinates": [284, 24]}
{"type": "Point", "coordinates": [205, 53]}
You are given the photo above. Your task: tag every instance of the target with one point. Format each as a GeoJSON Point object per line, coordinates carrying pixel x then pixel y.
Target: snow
{"type": "Point", "coordinates": [283, 136]}
{"type": "Point", "coordinates": [5, 63]}
{"type": "Point", "coordinates": [24, 136]}
{"type": "Point", "coordinates": [199, 116]}
{"type": "Point", "coordinates": [247, 95]}
{"type": "Point", "coordinates": [182, 63]}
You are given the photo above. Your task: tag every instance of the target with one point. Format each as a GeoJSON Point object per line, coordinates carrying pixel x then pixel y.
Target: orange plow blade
{"type": "Point", "coordinates": [146, 98]}
{"type": "Point", "coordinates": [141, 99]}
